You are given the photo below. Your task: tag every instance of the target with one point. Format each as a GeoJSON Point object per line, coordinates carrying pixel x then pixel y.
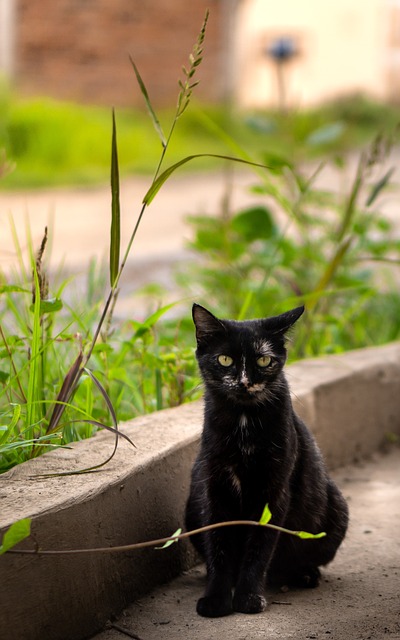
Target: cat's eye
{"type": "Point", "coordinates": [225, 361]}
{"type": "Point", "coordinates": [264, 361]}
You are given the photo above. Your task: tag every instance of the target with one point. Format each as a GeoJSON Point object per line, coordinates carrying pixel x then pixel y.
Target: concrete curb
{"type": "Point", "coordinates": [351, 402]}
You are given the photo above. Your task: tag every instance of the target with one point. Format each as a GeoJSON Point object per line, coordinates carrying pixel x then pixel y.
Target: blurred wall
{"type": "Point", "coordinates": [343, 47]}
{"type": "Point", "coordinates": [7, 32]}
{"type": "Point", "coordinates": [78, 49]}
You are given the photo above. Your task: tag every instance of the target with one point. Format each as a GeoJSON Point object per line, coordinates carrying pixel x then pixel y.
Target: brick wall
{"type": "Point", "coordinates": [78, 49]}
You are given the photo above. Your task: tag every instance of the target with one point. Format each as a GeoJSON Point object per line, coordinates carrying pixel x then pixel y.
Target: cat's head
{"type": "Point", "coordinates": [242, 361]}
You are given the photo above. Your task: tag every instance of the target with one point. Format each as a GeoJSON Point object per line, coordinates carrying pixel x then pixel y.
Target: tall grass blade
{"type": "Point", "coordinates": [379, 186]}
{"type": "Point", "coordinates": [101, 425]}
{"type": "Point", "coordinates": [163, 177]}
{"type": "Point", "coordinates": [65, 393]}
{"type": "Point", "coordinates": [105, 396]}
{"type": "Point", "coordinates": [152, 319]}
{"type": "Point", "coordinates": [12, 288]}
{"type": "Point", "coordinates": [114, 429]}
{"type": "Point", "coordinates": [154, 119]}
{"type": "Point", "coordinates": [14, 421]}
{"type": "Point", "coordinates": [115, 239]}
{"type": "Point", "coordinates": [13, 366]}
{"type": "Point", "coordinates": [330, 271]}
{"type": "Point", "coordinates": [350, 208]}
{"type": "Point", "coordinates": [33, 394]}
{"type": "Point", "coordinates": [43, 441]}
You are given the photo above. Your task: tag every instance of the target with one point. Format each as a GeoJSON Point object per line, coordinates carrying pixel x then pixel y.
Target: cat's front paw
{"type": "Point", "coordinates": [214, 606]}
{"type": "Point", "coordinates": [249, 603]}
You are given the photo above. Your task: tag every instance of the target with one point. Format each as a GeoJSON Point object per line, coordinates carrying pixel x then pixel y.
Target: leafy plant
{"type": "Point", "coordinates": [33, 417]}
{"type": "Point", "coordinates": [305, 244]}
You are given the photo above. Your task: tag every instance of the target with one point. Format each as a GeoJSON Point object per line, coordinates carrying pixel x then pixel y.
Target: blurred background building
{"type": "Point", "coordinates": [339, 48]}
{"type": "Point", "coordinates": [78, 49]}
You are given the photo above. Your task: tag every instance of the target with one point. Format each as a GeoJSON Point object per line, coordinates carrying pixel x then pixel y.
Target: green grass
{"type": "Point", "coordinates": [56, 143]}
{"type": "Point", "coordinates": [142, 365]}
{"type": "Point", "coordinates": [53, 143]}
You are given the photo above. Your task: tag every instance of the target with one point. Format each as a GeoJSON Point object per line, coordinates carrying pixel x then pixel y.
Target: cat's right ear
{"type": "Point", "coordinates": [207, 325]}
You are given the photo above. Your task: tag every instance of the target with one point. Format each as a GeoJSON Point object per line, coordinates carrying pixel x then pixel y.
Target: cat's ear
{"type": "Point", "coordinates": [207, 325]}
{"type": "Point", "coordinates": [281, 324]}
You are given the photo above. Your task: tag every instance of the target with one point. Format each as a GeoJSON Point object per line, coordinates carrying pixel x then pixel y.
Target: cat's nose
{"type": "Point", "coordinates": [244, 381]}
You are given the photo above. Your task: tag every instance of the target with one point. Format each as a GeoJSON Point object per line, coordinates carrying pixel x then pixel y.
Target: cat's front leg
{"type": "Point", "coordinates": [217, 600]}
{"type": "Point", "coordinates": [250, 587]}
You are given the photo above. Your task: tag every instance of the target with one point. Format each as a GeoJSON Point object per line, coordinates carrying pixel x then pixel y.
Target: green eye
{"type": "Point", "coordinates": [264, 361]}
{"type": "Point", "coordinates": [225, 361]}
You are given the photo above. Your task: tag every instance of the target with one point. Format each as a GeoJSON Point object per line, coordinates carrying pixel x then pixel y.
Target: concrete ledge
{"type": "Point", "coordinates": [351, 402]}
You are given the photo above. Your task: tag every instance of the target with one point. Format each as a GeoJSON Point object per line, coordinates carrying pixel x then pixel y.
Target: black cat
{"type": "Point", "coordinates": [255, 450]}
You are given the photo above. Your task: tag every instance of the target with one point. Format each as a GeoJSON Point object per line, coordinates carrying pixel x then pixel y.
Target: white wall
{"type": "Point", "coordinates": [343, 48]}
{"type": "Point", "coordinates": [7, 33]}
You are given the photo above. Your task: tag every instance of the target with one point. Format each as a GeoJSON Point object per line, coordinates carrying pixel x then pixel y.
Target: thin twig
{"type": "Point", "coordinates": [160, 541]}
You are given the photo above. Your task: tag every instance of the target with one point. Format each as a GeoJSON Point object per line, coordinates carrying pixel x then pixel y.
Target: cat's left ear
{"type": "Point", "coordinates": [281, 324]}
{"type": "Point", "coordinates": [207, 325]}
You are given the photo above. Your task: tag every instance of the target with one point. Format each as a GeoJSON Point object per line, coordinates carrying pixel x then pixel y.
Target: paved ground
{"type": "Point", "coordinates": [359, 598]}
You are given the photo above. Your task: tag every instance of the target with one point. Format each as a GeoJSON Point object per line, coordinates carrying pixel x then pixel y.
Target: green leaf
{"type": "Point", "coordinates": [14, 534]}
{"type": "Point", "coordinates": [102, 347]}
{"type": "Point", "coordinates": [377, 188]}
{"type": "Point", "coordinates": [145, 326]}
{"type": "Point", "coordinates": [260, 124]}
{"type": "Point", "coordinates": [326, 134]}
{"type": "Point", "coordinates": [14, 421]}
{"type": "Point", "coordinates": [115, 238]}
{"type": "Point", "coordinates": [254, 224]}
{"type": "Point", "coordinates": [163, 177]}
{"type": "Point", "coordinates": [151, 111]}
{"type": "Point", "coordinates": [50, 306]}
{"type": "Point", "coordinates": [266, 515]}
{"type": "Point", "coordinates": [173, 539]}
{"type": "Point", "coordinates": [11, 288]}
{"type": "Point", "coordinates": [312, 536]}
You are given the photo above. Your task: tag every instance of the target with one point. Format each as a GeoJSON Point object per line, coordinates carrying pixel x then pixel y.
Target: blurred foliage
{"type": "Point", "coordinates": [303, 244]}
{"type": "Point", "coordinates": [57, 143]}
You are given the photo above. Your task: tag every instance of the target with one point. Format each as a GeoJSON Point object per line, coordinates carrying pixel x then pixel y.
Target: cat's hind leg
{"type": "Point", "coordinates": [296, 562]}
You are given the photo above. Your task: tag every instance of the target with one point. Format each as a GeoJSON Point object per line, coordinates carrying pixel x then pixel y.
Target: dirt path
{"type": "Point", "coordinates": [359, 598]}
